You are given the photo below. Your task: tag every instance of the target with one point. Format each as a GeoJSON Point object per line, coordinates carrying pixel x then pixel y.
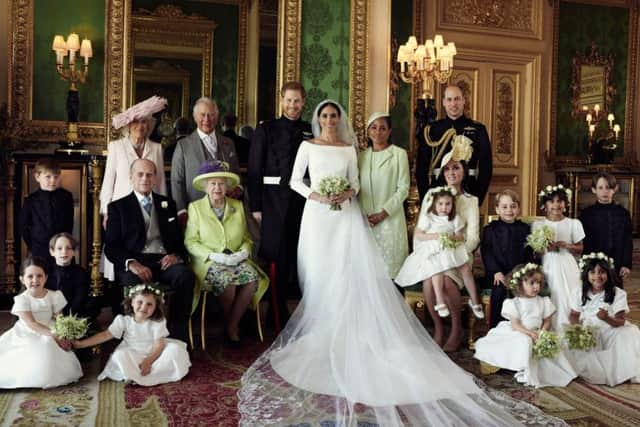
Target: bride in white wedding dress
{"type": "Point", "coordinates": [352, 353]}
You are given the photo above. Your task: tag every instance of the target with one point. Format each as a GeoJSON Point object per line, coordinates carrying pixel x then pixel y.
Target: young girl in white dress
{"type": "Point", "coordinates": [430, 259]}
{"type": "Point", "coordinates": [509, 345]}
{"type": "Point", "coordinates": [602, 304]}
{"type": "Point", "coordinates": [558, 261]}
{"type": "Point", "coordinates": [145, 356]}
{"type": "Point", "coordinates": [30, 356]}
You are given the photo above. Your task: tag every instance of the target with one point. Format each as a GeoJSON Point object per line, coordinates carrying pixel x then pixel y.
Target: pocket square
{"type": "Point", "coordinates": [171, 219]}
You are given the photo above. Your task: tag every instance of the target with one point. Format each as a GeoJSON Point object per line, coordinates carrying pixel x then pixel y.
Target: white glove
{"type": "Point", "coordinates": [221, 258]}
{"type": "Point", "coordinates": [238, 257]}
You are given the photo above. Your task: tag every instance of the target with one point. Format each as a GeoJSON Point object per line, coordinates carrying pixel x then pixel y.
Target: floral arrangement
{"type": "Point", "coordinates": [520, 274]}
{"type": "Point", "coordinates": [331, 186]}
{"type": "Point", "coordinates": [580, 337]}
{"type": "Point", "coordinates": [447, 241]}
{"type": "Point", "coordinates": [70, 327]}
{"type": "Point", "coordinates": [547, 345]}
{"type": "Point", "coordinates": [540, 238]}
{"type": "Point", "coordinates": [435, 190]}
{"type": "Point", "coordinates": [550, 189]}
{"type": "Point", "coordinates": [584, 260]}
{"type": "Point", "coordinates": [145, 287]}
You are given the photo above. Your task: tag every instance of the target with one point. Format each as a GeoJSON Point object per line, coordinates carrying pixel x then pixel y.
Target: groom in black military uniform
{"type": "Point", "coordinates": [276, 207]}
{"type": "Point", "coordinates": [436, 141]}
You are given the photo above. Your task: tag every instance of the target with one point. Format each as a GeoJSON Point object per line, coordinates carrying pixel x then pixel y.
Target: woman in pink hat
{"type": "Point", "coordinates": [136, 124]}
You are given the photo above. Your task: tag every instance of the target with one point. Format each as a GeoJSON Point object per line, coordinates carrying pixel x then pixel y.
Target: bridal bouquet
{"type": "Point", "coordinates": [70, 327]}
{"type": "Point", "coordinates": [547, 345]}
{"type": "Point", "coordinates": [540, 238]}
{"type": "Point", "coordinates": [332, 186]}
{"type": "Point", "coordinates": [580, 337]}
{"type": "Point", "coordinates": [448, 242]}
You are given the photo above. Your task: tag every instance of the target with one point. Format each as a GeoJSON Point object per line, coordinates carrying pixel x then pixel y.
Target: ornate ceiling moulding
{"type": "Point", "coordinates": [358, 66]}
{"type": "Point", "coordinates": [22, 128]}
{"type": "Point", "coordinates": [518, 19]}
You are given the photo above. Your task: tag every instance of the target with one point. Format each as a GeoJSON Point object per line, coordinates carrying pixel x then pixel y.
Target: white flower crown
{"type": "Point", "coordinates": [444, 189]}
{"type": "Point", "coordinates": [145, 287]}
{"type": "Point", "coordinates": [520, 274]}
{"type": "Point", "coordinates": [584, 259]}
{"type": "Point", "coordinates": [550, 189]}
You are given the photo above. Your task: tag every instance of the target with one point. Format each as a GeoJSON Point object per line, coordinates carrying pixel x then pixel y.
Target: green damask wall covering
{"type": "Point", "coordinates": [225, 45]}
{"type": "Point", "coordinates": [401, 29]}
{"type": "Point", "coordinates": [86, 18]}
{"type": "Point", "coordinates": [608, 27]}
{"type": "Point", "coordinates": [324, 56]}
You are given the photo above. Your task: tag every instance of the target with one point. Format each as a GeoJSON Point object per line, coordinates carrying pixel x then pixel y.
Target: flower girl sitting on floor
{"type": "Point", "coordinates": [437, 248]}
{"type": "Point", "coordinates": [30, 355]}
{"type": "Point", "coordinates": [510, 344]}
{"type": "Point", "coordinates": [601, 304]}
{"type": "Point", "coordinates": [145, 356]}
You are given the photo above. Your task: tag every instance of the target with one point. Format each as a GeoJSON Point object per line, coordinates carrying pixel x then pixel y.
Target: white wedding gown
{"type": "Point", "coordinates": [353, 353]}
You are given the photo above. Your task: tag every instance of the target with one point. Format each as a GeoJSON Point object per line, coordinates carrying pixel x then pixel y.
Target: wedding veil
{"type": "Point", "coordinates": [345, 130]}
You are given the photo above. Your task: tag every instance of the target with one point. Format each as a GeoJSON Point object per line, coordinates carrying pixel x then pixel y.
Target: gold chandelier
{"type": "Point", "coordinates": [423, 63]}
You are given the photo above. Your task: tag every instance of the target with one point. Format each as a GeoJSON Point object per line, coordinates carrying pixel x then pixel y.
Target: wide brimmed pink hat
{"type": "Point", "coordinates": [142, 109]}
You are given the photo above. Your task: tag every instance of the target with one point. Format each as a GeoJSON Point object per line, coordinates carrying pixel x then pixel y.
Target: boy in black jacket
{"type": "Point", "coordinates": [503, 246]}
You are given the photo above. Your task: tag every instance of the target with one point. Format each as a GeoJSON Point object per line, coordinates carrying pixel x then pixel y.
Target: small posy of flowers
{"type": "Point", "coordinates": [145, 287]}
{"type": "Point", "coordinates": [540, 238]}
{"type": "Point", "coordinates": [604, 306]}
{"type": "Point", "coordinates": [580, 337]}
{"type": "Point", "coordinates": [70, 327]}
{"type": "Point", "coordinates": [550, 189]}
{"type": "Point", "coordinates": [332, 186]}
{"type": "Point", "coordinates": [520, 274]}
{"type": "Point", "coordinates": [164, 204]}
{"type": "Point", "coordinates": [584, 259]}
{"type": "Point", "coordinates": [447, 241]}
{"type": "Point", "coordinates": [547, 345]}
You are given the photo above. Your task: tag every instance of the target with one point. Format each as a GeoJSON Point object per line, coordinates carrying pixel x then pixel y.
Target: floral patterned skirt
{"type": "Point", "coordinates": [220, 276]}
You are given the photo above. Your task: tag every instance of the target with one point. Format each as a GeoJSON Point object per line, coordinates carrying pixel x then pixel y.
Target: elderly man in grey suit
{"type": "Point", "coordinates": [205, 143]}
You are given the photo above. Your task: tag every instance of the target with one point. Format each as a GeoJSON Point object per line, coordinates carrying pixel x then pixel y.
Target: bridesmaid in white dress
{"type": "Point", "coordinates": [30, 356]}
{"type": "Point", "coordinates": [602, 304]}
{"type": "Point", "coordinates": [509, 345]}
{"type": "Point", "coordinates": [559, 262]}
{"type": "Point", "coordinates": [352, 352]}
{"type": "Point", "coordinates": [145, 356]}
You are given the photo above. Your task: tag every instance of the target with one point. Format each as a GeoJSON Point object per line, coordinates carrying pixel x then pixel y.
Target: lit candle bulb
{"type": "Point", "coordinates": [596, 109]}
{"type": "Point", "coordinates": [592, 129]}
{"type": "Point", "coordinates": [610, 118]}
{"type": "Point", "coordinates": [589, 118]}
{"type": "Point", "coordinates": [585, 108]}
{"type": "Point", "coordinates": [616, 129]}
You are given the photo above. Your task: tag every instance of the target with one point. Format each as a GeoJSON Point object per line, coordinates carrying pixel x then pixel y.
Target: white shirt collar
{"type": "Point", "coordinates": [212, 135]}
{"type": "Point", "coordinates": [141, 196]}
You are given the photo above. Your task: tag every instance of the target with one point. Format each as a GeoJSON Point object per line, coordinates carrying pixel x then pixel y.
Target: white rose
{"type": "Point", "coordinates": [549, 188]}
{"type": "Point", "coordinates": [164, 204]}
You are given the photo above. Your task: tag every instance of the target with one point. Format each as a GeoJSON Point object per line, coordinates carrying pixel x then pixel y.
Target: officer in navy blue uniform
{"type": "Point", "coordinates": [432, 149]}
{"type": "Point", "coordinates": [276, 207]}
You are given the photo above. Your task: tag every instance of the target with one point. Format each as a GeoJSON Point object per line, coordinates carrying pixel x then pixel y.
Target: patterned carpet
{"type": "Point", "coordinates": [207, 396]}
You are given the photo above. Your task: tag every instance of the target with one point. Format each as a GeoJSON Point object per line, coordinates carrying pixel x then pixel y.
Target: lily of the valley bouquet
{"type": "Point", "coordinates": [447, 241]}
{"type": "Point", "coordinates": [70, 327]}
{"type": "Point", "coordinates": [332, 186]}
{"type": "Point", "coordinates": [547, 345]}
{"type": "Point", "coordinates": [540, 238]}
{"type": "Point", "coordinates": [580, 337]}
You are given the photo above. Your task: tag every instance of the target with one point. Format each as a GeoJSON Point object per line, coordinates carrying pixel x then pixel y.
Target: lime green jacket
{"type": "Point", "coordinates": [205, 234]}
{"type": "Point", "coordinates": [384, 184]}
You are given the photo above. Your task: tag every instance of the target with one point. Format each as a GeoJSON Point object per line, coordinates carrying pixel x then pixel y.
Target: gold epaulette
{"type": "Point", "coordinates": [438, 146]}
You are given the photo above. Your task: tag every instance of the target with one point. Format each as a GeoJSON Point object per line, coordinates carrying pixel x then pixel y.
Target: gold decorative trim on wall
{"type": "Point", "coordinates": [358, 68]}
{"type": "Point", "coordinates": [505, 109]}
{"type": "Point", "coordinates": [497, 17]}
{"type": "Point", "coordinates": [115, 53]}
{"type": "Point", "coordinates": [243, 16]}
{"type": "Point", "coordinates": [20, 65]}
{"type": "Point", "coordinates": [290, 26]}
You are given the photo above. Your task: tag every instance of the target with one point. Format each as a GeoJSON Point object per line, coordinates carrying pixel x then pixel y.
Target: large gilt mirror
{"type": "Point", "coordinates": [171, 55]}
{"type": "Point", "coordinates": [591, 84]}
